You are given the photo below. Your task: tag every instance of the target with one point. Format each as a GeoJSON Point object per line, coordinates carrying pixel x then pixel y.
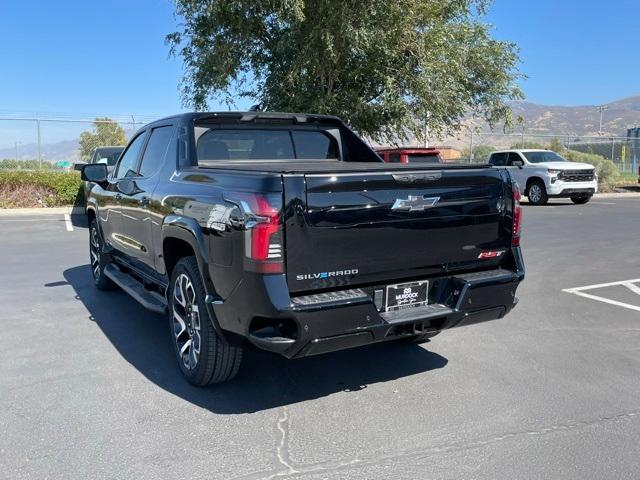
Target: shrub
{"type": "Point", "coordinates": [43, 188]}
{"type": "Point", "coordinates": [608, 173]}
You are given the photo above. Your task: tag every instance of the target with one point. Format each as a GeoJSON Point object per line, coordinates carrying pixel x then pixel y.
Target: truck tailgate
{"type": "Point", "coordinates": [358, 228]}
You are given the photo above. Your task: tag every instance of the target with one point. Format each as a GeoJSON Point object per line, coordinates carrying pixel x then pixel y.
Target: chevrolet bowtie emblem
{"type": "Point", "coordinates": [414, 203]}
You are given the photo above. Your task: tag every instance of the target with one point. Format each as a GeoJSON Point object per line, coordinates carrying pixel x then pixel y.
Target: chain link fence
{"type": "Point", "coordinates": [52, 142]}
{"type": "Point", "coordinates": [623, 151]}
{"type": "Point", "coordinates": [32, 142]}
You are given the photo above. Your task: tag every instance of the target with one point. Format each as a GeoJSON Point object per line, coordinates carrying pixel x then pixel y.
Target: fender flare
{"type": "Point", "coordinates": [188, 230]}
{"type": "Point", "coordinates": [530, 180]}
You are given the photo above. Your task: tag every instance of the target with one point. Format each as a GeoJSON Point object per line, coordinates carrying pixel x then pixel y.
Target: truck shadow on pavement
{"type": "Point", "coordinates": [265, 380]}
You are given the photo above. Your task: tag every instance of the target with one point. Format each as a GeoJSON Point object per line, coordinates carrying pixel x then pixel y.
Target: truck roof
{"type": "Point", "coordinates": [522, 150]}
{"type": "Point", "coordinates": [240, 116]}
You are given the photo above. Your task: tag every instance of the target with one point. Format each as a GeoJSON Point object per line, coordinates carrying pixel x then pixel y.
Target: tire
{"type": "Point", "coordinates": [203, 356]}
{"type": "Point", "coordinates": [537, 193]}
{"type": "Point", "coordinates": [581, 199]}
{"type": "Point", "coordinates": [97, 259]}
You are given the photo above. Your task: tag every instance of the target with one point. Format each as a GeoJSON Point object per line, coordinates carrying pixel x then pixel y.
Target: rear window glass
{"type": "Point", "coordinates": [108, 156]}
{"type": "Point", "coordinates": [276, 145]}
{"type": "Point", "coordinates": [423, 158]}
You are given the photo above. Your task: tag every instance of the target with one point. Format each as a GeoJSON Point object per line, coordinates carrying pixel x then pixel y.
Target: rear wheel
{"type": "Point", "coordinates": [537, 193]}
{"type": "Point", "coordinates": [581, 199]}
{"type": "Point", "coordinates": [203, 356]}
{"type": "Point", "coordinates": [97, 258]}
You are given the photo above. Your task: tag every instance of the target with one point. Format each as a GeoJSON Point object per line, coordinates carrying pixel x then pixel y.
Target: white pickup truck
{"type": "Point", "coordinates": [542, 174]}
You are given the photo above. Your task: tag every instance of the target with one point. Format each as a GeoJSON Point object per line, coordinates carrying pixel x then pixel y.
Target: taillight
{"type": "Point", "coordinates": [517, 216]}
{"type": "Point", "coordinates": [263, 231]}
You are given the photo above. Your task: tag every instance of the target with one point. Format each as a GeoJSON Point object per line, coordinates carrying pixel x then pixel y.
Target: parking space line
{"type": "Point", "coordinates": [634, 288]}
{"type": "Point", "coordinates": [600, 285]}
{"type": "Point", "coordinates": [67, 222]}
{"type": "Point", "coordinates": [606, 300]}
{"type": "Point", "coordinates": [630, 284]}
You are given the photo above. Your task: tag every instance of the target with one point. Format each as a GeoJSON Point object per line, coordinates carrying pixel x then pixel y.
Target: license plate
{"type": "Point", "coordinates": [406, 295]}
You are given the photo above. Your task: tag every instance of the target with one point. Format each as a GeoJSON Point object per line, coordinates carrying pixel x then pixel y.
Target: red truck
{"type": "Point", "coordinates": [410, 155]}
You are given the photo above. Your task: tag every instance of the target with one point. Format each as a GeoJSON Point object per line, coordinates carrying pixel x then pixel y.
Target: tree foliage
{"type": "Point", "coordinates": [106, 132]}
{"type": "Point", "coordinates": [481, 153]}
{"type": "Point", "coordinates": [384, 66]}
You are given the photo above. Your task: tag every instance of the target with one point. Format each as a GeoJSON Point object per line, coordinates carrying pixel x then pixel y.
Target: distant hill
{"type": "Point", "coordinates": [580, 120]}
{"type": "Point", "coordinates": [51, 152]}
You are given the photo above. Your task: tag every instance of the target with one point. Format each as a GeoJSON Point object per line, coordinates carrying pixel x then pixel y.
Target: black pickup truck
{"type": "Point", "coordinates": [286, 231]}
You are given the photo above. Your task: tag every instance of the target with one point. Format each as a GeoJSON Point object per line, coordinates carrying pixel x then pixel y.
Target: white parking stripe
{"type": "Point", "coordinates": [600, 285]}
{"type": "Point", "coordinates": [634, 288]}
{"type": "Point", "coordinates": [67, 222]}
{"type": "Point", "coordinates": [580, 291]}
{"type": "Point", "coordinates": [606, 300]}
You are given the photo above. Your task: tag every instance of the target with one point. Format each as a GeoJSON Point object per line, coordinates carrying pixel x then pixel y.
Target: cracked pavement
{"type": "Point", "coordinates": [89, 387]}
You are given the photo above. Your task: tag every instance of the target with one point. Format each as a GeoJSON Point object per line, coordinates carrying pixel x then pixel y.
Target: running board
{"type": "Point", "coordinates": [150, 300]}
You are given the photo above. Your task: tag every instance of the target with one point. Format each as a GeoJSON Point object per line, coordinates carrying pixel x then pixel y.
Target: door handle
{"type": "Point", "coordinates": [144, 202]}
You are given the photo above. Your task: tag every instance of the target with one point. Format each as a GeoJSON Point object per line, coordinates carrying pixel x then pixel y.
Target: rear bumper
{"type": "Point", "coordinates": [275, 323]}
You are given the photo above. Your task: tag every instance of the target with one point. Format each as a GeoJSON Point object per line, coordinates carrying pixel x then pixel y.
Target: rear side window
{"type": "Point", "coordinates": [156, 150]}
{"type": "Point", "coordinates": [314, 145]}
{"type": "Point", "coordinates": [498, 159]}
{"type": "Point", "coordinates": [394, 158]}
{"type": "Point", "coordinates": [263, 145]}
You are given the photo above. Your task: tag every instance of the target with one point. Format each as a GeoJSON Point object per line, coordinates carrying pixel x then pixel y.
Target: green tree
{"type": "Point", "coordinates": [480, 153]}
{"type": "Point", "coordinates": [383, 66]}
{"type": "Point", "coordinates": [556, 145]}
{"type": "Point", "coordinates": [105, 132]}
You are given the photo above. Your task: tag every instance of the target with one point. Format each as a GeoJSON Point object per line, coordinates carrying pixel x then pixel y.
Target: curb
{"type": "Point", "coordinates": [617, 195]}
{"type": "Point", "coordinates": [17, 212]}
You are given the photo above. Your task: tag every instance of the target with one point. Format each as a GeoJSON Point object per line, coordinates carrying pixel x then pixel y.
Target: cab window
{"type": "Point", "coordinates": [513, 157]}
{"type": "Point", "coordinates": [498, 159]}
{"type": "Point", "coordinates": [129, 160]}
{"type": "Point", "coordinates": [156, 150]}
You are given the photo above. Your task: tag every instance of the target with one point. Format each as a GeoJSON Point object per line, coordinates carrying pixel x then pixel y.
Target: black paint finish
{"type": "Point", "coordinates": [337, 219]}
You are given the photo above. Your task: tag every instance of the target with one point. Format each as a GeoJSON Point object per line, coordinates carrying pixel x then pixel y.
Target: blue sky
{"type": "Point", "coordinates": [109, 57]}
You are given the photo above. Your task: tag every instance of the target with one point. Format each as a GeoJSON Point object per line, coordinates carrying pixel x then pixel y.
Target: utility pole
{"type": "Point", "coordinates": [601, 109]}
{"type": "Point", "coordinates": [39, 145]}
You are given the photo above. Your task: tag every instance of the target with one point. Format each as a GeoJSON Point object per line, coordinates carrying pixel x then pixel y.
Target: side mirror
{"type": "Point", "coordinates": [518, 163]}
{"type": "Point", "coordinates": [94, 172]}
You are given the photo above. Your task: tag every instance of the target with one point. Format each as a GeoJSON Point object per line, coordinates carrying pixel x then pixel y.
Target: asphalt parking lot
{"type": "Point", "coordinates": [89, 387]}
